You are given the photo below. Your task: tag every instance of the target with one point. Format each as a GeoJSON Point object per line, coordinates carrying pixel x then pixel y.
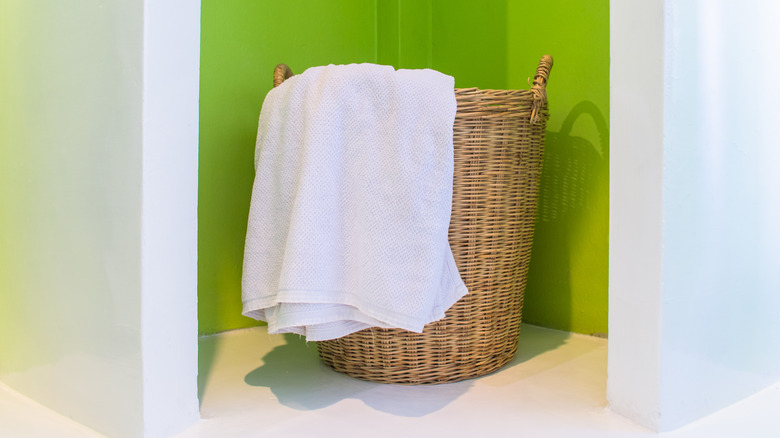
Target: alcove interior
{"type": "Point", "coordinates": [272, 385]}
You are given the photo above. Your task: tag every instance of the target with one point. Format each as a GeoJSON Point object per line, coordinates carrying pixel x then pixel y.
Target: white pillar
{"type": "Point", "coordinates": [98, 187]}
{"type": "Point", "coordinates": [635, 222]}
{"type": "Point", "coordinates": [701, 332]}
{"type": "Point", "coordinates": [169, 235]}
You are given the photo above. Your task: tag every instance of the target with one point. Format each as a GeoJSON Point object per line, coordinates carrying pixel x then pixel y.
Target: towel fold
{"type": "Point", "coordinates": [351, 203]}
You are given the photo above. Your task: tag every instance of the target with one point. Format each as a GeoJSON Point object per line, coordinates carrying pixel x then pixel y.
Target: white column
{"type": "Point", "coordinates": [635, 235]}
{"type": "Point", "coordinates": [716, 299]}
{"type": "Point", "coordinates": [98, 187]}
{"type": "Point", "coordinates": [70, 221]}
{"type": "Point", "coordinates": [171, 61]}
{"type": "Point", "coordinates": [721, 295]}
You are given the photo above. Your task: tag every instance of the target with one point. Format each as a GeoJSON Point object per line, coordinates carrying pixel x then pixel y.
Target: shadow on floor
{"type": "Point", "coordinates": [535, 340]}
{"type": "Point", "coordinates": [207, 351]}
{"type": "Point", "coordinates": [295, 375]}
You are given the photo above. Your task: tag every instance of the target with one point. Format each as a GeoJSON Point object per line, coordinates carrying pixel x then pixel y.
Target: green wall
{"type": "Point", "coordinates": [241, 42]}
{"type": "Point", "coordinates": [568, 277]}
{"type": "Point", "coordinates": [488, 44]}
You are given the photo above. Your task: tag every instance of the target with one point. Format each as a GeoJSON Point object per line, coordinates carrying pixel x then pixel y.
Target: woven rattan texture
{"type": "Point", "coordinates": [498, 160]}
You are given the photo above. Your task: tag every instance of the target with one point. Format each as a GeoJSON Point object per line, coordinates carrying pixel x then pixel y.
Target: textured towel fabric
{"type": "Point", "coordinates": [351, 203]}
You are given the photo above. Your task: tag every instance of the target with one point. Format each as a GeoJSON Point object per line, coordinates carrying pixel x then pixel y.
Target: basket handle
{"type": "Point", "coordinates": [281, 73]}
{"type": "Point", "coordinates": [540, 87]}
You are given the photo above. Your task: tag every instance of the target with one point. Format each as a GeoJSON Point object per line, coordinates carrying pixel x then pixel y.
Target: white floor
{"type": "Point", "coordinates": [21, 417]}
{"type": "Point", "coordinates": [256, 385]}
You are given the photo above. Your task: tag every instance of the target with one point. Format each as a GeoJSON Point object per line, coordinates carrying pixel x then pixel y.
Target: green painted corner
{"type": "Point", "coordinates": [491, 44]}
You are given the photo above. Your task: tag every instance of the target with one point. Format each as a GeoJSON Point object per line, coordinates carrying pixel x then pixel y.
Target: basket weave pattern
{"type": "Point", "coordinates": [498, 142]}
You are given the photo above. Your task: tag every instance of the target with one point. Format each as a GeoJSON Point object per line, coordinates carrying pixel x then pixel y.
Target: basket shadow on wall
{"type": "Point", "coordinates": [570, 225]}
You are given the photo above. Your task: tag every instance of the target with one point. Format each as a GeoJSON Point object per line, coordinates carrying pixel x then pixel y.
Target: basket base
{"type": "Point", "coordinates": [447, 371]}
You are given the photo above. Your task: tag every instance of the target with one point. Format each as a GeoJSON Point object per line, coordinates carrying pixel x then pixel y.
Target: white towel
{"type": "Point", "coordinates": [351, 203]}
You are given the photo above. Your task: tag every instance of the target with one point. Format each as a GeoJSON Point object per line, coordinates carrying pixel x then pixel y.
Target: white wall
{"type": "Point", "coordinates": [719, 286]}
{"type": "Point", "coordinates": [87, 90]}
{"type": "Point", "coordinates": [70, 169]}
{"type": "Point", "coordinates": [721, 298]}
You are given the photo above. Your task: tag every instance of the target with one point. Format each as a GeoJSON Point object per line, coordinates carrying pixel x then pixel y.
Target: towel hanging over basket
{"type": "Point", "coordinates": [351, 203]}
{"type": "Point", "coordinates": [498, 141]}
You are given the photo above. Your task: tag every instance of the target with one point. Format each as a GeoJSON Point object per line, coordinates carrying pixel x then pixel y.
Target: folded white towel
{"type": "Point", "coordinates": [351, 203]}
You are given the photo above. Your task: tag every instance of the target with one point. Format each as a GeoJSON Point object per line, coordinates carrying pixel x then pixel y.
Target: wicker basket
{"type": "Point", "coordinates": [499, 141]}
